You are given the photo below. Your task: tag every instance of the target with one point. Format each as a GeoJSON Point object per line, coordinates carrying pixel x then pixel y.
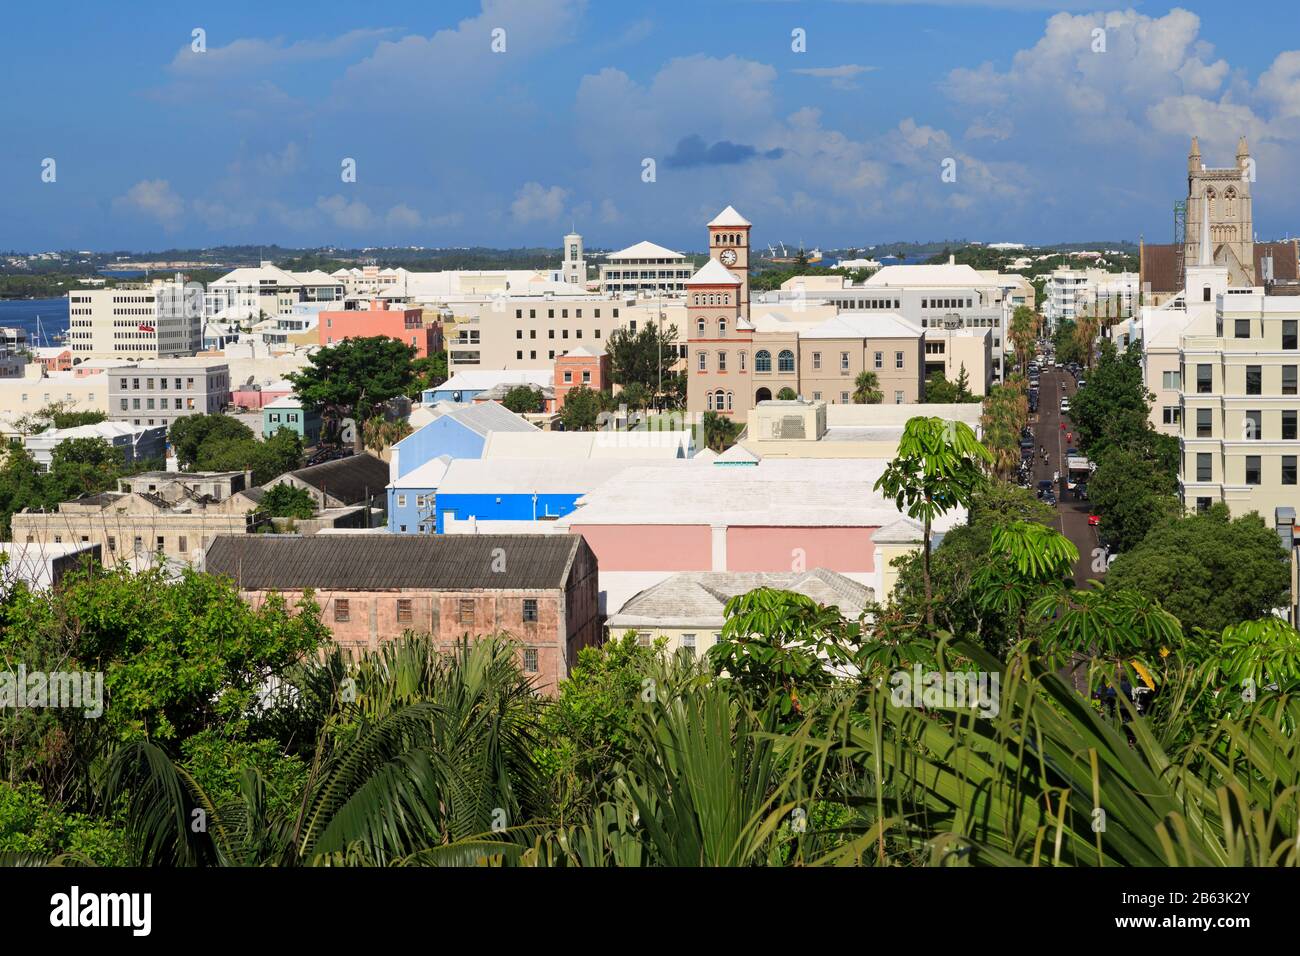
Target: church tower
{"type": "Point", "coordinates": [729, 246]}
{"type": "Point", "coordinates": [1222, 196]}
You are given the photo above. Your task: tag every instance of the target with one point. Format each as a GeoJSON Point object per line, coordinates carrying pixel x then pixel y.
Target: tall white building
{"type": "Point", "coordinates": [140, 321]}
{"type": "Point", "coordinates": [267, 291]}
{"type": "Point", "coordinates": [1070, 293]}
{"type": "Point", "coordinates": [644, 267]}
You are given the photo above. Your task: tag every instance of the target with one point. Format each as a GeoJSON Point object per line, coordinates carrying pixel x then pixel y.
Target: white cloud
{"type": "Point", "coordinates": [344, 214]}
{"type": "Point", "coordinates": [841, 77]}
{"type": "Point", "coordinates": [403, 216]}
{"type": "Point", "coordinates": [536, 203]}
{"type": "Point", "coordinates": [155, 199]}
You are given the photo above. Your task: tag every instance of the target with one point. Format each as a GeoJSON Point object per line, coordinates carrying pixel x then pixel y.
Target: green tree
{"type": "Point", "coordinates": [427, 372]}
{"type": "Point", "coordinates": [81, 466]}
{"type": "Point", "coordinates": [939, 391]}
{"type": "Point", "coordinates": [645, 357]}
{"type": "Point", "coordinates": [1114, 407]}
{"type": "Point", "coordinates": [1132, 495]}
{"type": "Point", "coordinates": [354, 378]}
{"type": "Point", "coordinates": [787, 394]}
{"type": "Point", "coordinates": [1210, 570]}
{"type": "Point", "coordinates": [720, 432]}
{"type": "Point", "coordinates": [939, 466]}
{"type": "Point", "coordinates": [287, 501]}
{"type": "Point", "coordinates": [963, 385]}
{"type": "Point", "coordinates": [581, 411]}
{"type": "Point", "coordinates": [866, 389]}
{"type": "Point", "coordinates": [188, 433]}
{"type": "Point", "coordinates": [636, 396]}
{"type": "Point", "coordinates": [524, 399]}
{"type": "Point", "coordinates": [266, 459]}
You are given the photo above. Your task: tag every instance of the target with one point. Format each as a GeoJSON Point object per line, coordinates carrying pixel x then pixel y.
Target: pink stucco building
{"type": "Point", "coordinates": [406, 325]}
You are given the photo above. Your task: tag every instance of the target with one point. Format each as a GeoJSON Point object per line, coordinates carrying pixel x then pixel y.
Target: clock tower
{"type": "Point", "coordinates": [729, 247]}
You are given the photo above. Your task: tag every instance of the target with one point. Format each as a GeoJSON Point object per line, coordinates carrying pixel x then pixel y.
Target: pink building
{"type": "Point", "coordinates": [406, 325]}
{"type": "Point", "coordinates": [55, 358]}
{"type": "Point", "coordinates": [580, 367]}
{"type": "Point", "coordinates": [255, 397]}
{"type": "Point", "coordinates": [743, 515]}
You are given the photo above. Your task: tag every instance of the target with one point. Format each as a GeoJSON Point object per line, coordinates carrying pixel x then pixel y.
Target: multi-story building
{"type": "Point", "coordinates": [406, 325]}
{"type": "Point", "coordinates": [1240, 438]}
{"type": "Point", "coordinates": [135, 443]}
{"type": "Point", "coordinates": [267, 291]}
{"type": "Point", "coordinates": [136, 322]}
{"type": "Point", "coordinates": [644, 268]}
{"type": "Point", "coordinates": [1071, 293]}
{"type": "Point", "coordinates": [160, 391]}
{"type": "Point", "coordinates": [541, 590]}
{"type": "Point", "coordinates": [289, 412]}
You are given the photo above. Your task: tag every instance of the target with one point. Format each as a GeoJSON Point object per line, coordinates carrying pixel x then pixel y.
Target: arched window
{"type": "Point", "coordinates": [699, 326]}
{"type": "Point", "coordinates": [708, 401]}
{"type": "Point", "coordinates": [728, 401]}
{"type": "Point", "coordinates": [722, 326]}
{"type": "Point", "coordinates": [718, 399]}
{"type": "Point", "coordinates": [785, 361]}
{"type": "Point", "coordinates": [762, 361]}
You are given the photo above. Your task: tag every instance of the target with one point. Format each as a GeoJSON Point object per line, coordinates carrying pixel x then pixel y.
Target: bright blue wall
{"type": "Point", "coordinates": [505, 507]}
{"type": "Point", "coordinates": [410, 515]}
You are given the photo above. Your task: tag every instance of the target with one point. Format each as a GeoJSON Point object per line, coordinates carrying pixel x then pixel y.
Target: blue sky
{"type": "Point", "coordinates": [843, 143]}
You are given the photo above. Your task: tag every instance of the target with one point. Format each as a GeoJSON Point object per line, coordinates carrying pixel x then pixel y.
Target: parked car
{"type": "Point", "coordinates": [1094, 520]}
{"type": "Point", "coordinates": [1071, 452]}
{"type": "Point", "coordinates": [1082, 383]}
{"type": "Point", "coordinates": [1065, 405]}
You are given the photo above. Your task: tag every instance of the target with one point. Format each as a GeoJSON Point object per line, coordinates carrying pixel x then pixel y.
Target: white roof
{"type": "Point", "coordinates": [713, 272]}
{"type": "Point", "coordinates": [284, 401]}
{"type": "Point", "coordinates": [781, 492]}
{"type": "Point", "coordinates": [482, 418]}
{"type": "Point", "coordinates": [33, 564]}
{"type": "Point", "coordinates": [106, 430]}
{"type": "Point", "coordinates": [644, 445]}
{"type": "Point", "coordinates": [428, 475]}
{"type": "Point", "coordinates": [698, 598]}
{"type": "Point", "coordinates": [645, 250]}
{"type": "Point", "coordinates": [580, 352]}
{"type": "Point", "coordinates": [857, 325]}
{"type": "Point", "coordinates": [482, 379]}
{"type": "Point", "coordinates": [926, 275]}
{"type": "Point", "coordinates": [729, 217]}
{"type": "Point", "coordinates": [543, 476]}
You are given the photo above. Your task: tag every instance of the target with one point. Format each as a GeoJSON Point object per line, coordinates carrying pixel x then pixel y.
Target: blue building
{"type": "Point", "coordinates": [463, 387]}
{"type": "Point", "coordinates": [521, 489]}
{"type": "Point", "coordinates": [460, 433]}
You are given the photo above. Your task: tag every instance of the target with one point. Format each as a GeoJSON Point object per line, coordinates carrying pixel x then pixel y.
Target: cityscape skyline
{"type": "Point", "coordinates": [1011, 122]}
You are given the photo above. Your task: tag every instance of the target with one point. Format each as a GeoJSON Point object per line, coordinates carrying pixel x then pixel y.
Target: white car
{"type": "Point", "coordinates": [1065, 405]}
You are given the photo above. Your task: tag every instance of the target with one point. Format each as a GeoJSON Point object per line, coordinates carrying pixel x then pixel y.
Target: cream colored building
{"type": "Point", "coordinates": [686, 609]}
{"type": "Point", "coordinates": [139, 321]}
{"type": "Point", "coordinates": [34, 391]}
{"type": "Point", "coordinates": [1239, 438]}
{"type": "Point", "coordinates": [644, 268]}
{"type": "Point", "coordinates": [814, 429]}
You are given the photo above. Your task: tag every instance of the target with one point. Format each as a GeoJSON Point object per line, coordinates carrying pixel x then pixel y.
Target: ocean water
{"type": "Point", "coordinates": [22, 314]}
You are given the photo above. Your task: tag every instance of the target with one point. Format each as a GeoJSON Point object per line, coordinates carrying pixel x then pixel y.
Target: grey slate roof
{"type": "Point", "coordinates": [697, 598]}
{"type": "Point", "coordinates": [382, 561]}
{"type": "Point", "coordinates": [348, 479]}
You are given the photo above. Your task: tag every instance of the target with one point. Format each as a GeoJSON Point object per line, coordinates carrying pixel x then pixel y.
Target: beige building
{"type": "Point", "coordinates": [127, 524]}
{"type": "Point", "coordinates": [139, 321]}
{"type": "Point", "coordinates": [815, 429]}
{"type": "Point", "coordinates": [35, 390]}
{"type": "Point", "coordinates": [1239, 437]}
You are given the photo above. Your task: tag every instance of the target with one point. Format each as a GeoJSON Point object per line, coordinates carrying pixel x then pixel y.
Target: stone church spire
{"type": "Point", "coordinates": [1194, 157]}
{"type": "Point", "coordinates": [1243, 150]}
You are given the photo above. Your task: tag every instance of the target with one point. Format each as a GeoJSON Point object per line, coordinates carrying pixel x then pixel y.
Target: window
{"type": "Point", "coordinates": [688, 645]}
{"type": "Point", "coordinates": [466, 611]}
{"type": "Point", "coordinates": [699, 326]}
{"type": "Point", "coordinates": [160, 542]}
{"type": "Point", "coordinates": [898, 398]}
{"type": "Point", "coordinates": [1202, 505]}
{"type": "Point", "coordinates": [1171, 381]}
{"type": "Point", "coordinates": [643, 638]}
{"type": "Point", "coordinates": [722, 361]}
{"type": "Point", "coordinates": [1289, 334]}
{"type": "Point", "coordinates": [785, 361]}
{"type": "Point", "coordinates": [844, 363]}
{"type": "Point", "coordinates": [1252, 426]}
{"type": "Point", "coordinates": [401, 501]}
{"type": "Point", "coordinates": [182, 544]}
{"type": "Point", "coordinates": [1204, 423]}
{"type": "Point", "coordinates": [1241, 328]}
{"type": "Point", "coordinates": [1288, 469]}
{"type": "Point", "coordinates": [762, 361]}
{"type": "Point", "coordinates": [1204, 467]}
{"type": "Point", "coordinates": [817, 360]}
{"type": "Point", "coordinates": [742, 361]}
{"type": "Point", "coordinates": [1172, 414]}
{"type": "Point", "coordinates": [722, 326]}
{"type": "Point", "coordinates": [1289, 424]}
{"type": "Point", "coordinates": [404, 611]}
{"type": "Point", "coordinates": [1252, 469]}
{"type": "Point", "coordinates": [112, 543]}
{"type": "Point", "coordinates": [880, 360]}
{"type": "Point", "coordinates": [817, 396]}
{"type": "Point", "coordinates": [1204, 379]}
{"type": "Point", "coordinates": [1288, 380]}
{"type": "Point", "coordinates": [342, 611]}
{"type": "Point", "coordinates": [586, 377]}
{"type": "Point", "coordinates": [530, 660]}
{"type": "Point", "coordinates": [702, 362]}
{"type": "Point", "coordinates": [530, 610]}
{"type": "Point", "coordinates": [898, 360]}
{"type": "Point", "coordinates": [568, 377]}
{"type": "Point", "coordinates": [1254, 380]}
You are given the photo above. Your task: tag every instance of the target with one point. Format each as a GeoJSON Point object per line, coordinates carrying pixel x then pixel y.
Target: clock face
{"type": "Point", "coordinates": [728, 257]}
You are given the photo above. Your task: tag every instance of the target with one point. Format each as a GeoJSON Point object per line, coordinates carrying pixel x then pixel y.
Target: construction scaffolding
{"type": "Point", "coordinates": [1180, 241]}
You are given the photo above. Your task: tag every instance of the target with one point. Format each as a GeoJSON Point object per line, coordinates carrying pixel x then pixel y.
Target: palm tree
{"type": "Point", "coordinates": [866, 389]}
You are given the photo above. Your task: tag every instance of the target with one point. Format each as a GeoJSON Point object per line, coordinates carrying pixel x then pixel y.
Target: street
{"type": "Point", "coordinates": [1072, 515]}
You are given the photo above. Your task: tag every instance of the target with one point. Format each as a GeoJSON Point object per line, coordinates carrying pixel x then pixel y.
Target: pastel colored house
{"type": "Point", "coordinates": [290, 413]}
{"type": "Point", "coordinates": [259, 396]}
{"type": "Point", "coordinates": [412, 498]}
{"type": "Point", "coordinates": [457, 432]}
{"type": "Point", "coordinates": [580, 367]}
{"type": "Point", "coordinates": [539, 590]}
{"type": "Point", "coordinates": [520, 489]}
{"type": "Point", "coordinates": [775, 515]}
{"type": "Point", "coordinates": [406, 325]}
{"type": "Point", "coordinates": [466, 386]}
{"type": "Point", "coordinates": [686, 610]}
